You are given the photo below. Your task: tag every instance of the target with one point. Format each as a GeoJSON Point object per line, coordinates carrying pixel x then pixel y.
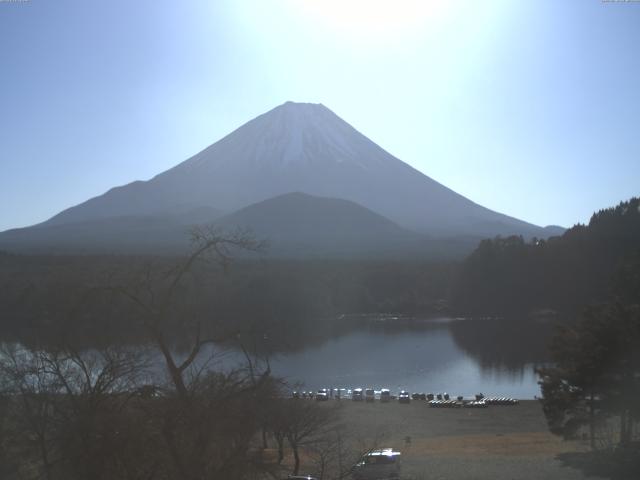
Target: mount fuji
{"type": "Point", "coordinates": [295, 147]}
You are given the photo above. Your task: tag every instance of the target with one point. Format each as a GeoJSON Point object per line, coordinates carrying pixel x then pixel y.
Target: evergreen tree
{"type": "Point", "coordinates": [596, 373]}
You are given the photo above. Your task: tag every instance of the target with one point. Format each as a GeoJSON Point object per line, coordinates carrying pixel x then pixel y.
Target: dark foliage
{"type": "Point", "coordinates": [296, 303]}
{"type": "Point", "coordinates": [563, 273]}
{"type": "Point", "coordinates": [618, 464]}
{"type": "Point", "coordinates": [78, 414]}
{"type": "Point", "coordinates": [596, 373]}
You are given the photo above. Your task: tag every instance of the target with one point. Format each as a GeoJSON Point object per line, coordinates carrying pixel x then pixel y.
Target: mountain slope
{"type": "Point", "coordinates": [294, 225]}
{"type": "Point", "coordinates": [305, 215]}
{"type": "Point", "coordinates": [301, 148]}
{"type": "Point", "coordinates": [301, 224]}
{"type": "Point", "coordinates": [158, 233]}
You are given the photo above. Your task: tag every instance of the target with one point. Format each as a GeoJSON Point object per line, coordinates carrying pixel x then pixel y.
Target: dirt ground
{"type": "Point", "coordinates": [498, 442]}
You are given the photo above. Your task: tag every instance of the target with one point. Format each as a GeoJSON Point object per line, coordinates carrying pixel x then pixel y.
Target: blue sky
{"type": "Point", "coordinates": [530, 108]}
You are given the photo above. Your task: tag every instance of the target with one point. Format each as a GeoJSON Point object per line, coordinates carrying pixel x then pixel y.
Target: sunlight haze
{"type": "Point", "coordinates": [527, 108]}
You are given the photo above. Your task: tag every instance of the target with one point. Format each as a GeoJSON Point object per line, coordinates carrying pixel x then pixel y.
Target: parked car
{"type": "Point", "coordinates": [322, 395]}
{"type": "Point", "coordinates": [357, 395]}
{"type": "Point", "coordinates": [385, 395]}
{"type": "Point", "coordinates": [378, 465]}
{"type": "Point", "coordinates": [369, 395]}
{"type": "Point", "coordinates": [404, 397]}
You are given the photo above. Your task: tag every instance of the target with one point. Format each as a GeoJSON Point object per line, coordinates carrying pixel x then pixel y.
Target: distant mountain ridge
{"type": "Point", "coordinates": [167, 233]}
{"type": "Point", "coordinates": [312, 216]}
{"type": "Point", "coordinates": [297, 223]}
{"type": "Point", "coordinates": [296, 147]}
{"type": "Point", "coordinates": [293, 225]}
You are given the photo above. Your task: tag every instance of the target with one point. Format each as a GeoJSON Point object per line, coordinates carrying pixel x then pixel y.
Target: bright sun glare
{"type": "Point", "coordinates": [374, 17]}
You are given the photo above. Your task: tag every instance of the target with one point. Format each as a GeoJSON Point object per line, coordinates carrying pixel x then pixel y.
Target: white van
{"type": "Point", "coordinates": [378, 465]}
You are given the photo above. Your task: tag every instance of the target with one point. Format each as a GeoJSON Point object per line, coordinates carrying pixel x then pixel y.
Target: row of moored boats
{"type": "Point", "coordinates": [438, 400]}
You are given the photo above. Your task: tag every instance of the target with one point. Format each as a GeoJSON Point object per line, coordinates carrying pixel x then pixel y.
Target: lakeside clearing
{"type": "Point", "coordinates": [510, 442]}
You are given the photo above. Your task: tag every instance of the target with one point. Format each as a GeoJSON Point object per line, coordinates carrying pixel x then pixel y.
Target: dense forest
{"type": "Point", "coordinates": [583, 266]}
{"type": "Point", "coordinates": [297, 302]}
{"type": "Point", "coordinates": [293, 301]}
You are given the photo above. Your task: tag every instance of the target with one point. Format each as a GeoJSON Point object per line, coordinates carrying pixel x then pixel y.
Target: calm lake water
{"type": "Point", "coordinates": [461, 358]}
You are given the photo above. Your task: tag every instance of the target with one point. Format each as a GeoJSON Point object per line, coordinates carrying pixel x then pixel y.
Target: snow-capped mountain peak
{"type": "Point", "coordinates": [301, 147]}
{"type": "Point", "coordinates": [289, 134]}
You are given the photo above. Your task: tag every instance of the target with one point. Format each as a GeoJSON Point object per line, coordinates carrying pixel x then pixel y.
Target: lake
{"type": "Point", "coordinates": [459, 356]}
{"type": "Point", "coordinates": [495, 357]}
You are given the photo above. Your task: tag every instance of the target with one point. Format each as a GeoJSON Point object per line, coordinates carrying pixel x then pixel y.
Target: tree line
{"type": "Point", "coordinates": [592, 387]}
{"type": "Point", "coordinates": [104, 413]}
{"type": "Point", "coordinates": [295, 302]}
{"type": "Point", "coordinates": [583, 266]}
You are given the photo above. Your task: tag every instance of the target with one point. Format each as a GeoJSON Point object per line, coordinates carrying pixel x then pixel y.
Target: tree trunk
{"type": "Point", "coordinates": [592, 427]}
{"type": "Point", "coordinates": [174, 371]}
{"type": "Point", "coordinates": [624, 437]}
{"type": "Point", "coordinates": [168, 434]}
{"type": "Point", "coordinates": [296, 457]}
{"type": "Point", "coordinates": [45, 458]}
{"type": "Point", "coordinates": [280, 442]}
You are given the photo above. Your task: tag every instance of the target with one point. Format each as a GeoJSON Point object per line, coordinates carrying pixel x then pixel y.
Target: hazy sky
{"type": "Point", "coordinates": [530, 108]}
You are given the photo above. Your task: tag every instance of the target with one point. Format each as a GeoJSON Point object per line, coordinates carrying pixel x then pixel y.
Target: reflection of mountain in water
{"type": "Point", "coordinates": [503, 343]}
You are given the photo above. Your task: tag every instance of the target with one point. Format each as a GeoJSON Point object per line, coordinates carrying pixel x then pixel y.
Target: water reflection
{"type": "Point", "coordinates": [461, 357]}
{"type": "Point", "coordinates": [496, 357]}
{"type": "Point", "coordinates": [506, 344]}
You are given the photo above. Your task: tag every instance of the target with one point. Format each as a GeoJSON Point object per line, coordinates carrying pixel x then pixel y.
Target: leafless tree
{"type": "Point", "coordinates": [65, 406]}
{"type": "Point", "coordinates": [155, 293]}
{"type": "Point", "coordinates": [208, 418]}
{"type": "Point", "coordinates": [318, 438]}
{"type": "Point", "coordinates": [91, 413]}
{"type": "Point", "coordinates": [305, 424]}
{"type": "Point", "coordinates": [335, 453]}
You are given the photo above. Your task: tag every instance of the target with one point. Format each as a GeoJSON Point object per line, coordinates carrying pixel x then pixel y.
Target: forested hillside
{"type": "Point", "coordinates": [581, 267]}
{"type": "Point", "coordinates": [294, 301]}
